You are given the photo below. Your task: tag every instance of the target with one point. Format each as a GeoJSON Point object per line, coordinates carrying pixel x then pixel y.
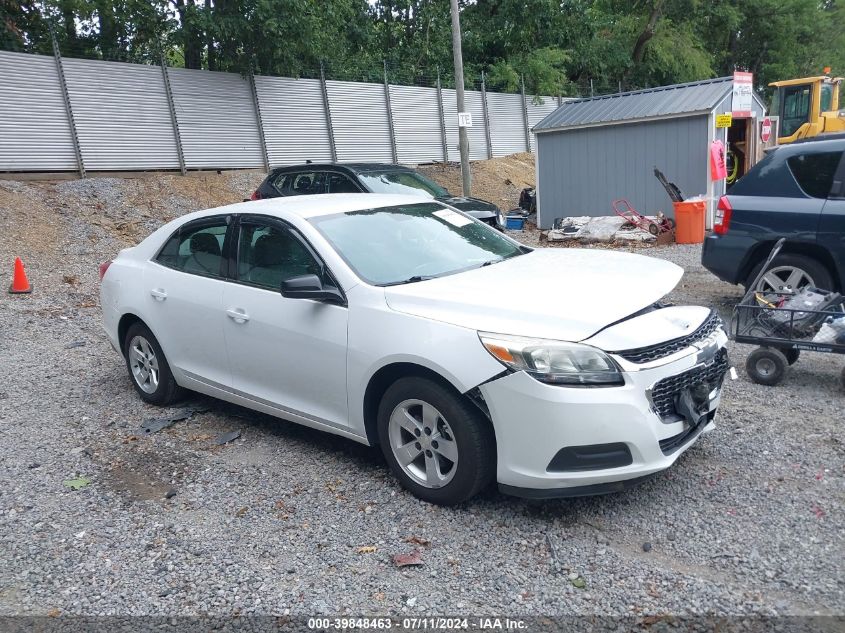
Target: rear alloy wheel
{"type": "Point", "coordinates": [789, 273]}
{"type": "Point", "coordinates": [436, 443]}
{"type": "Point", "coordinates": [148, 367]}
{"type": "Point", "coordinates": [766, 366]}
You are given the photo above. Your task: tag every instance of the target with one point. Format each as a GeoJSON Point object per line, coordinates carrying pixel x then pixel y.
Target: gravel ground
{"type": "Point", "coordinates": [289, 520]}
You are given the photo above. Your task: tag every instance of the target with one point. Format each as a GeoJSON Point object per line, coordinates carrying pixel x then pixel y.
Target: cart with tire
{"type": "Point", "coordinates": [784, 324]}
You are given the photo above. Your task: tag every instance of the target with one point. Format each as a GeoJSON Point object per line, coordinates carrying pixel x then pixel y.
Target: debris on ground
{"type": "Point", "coordinates": [366, 549]}
{"type": "Point", "coordinates": [225, 438]}
{"type": "Point", "coordinates": [77, 483]}
{"type": "Point", "coordinates": [578, 582]}
{"type": "Point", "coordinates": [75, 344]}
{"type": "Point", "coordinates": [589, 230]}
{"type": "Point", "coordinates": [154, 425]}
{"type": "Point", "coordinates": [416, 540]}
{"type": "Point", "coordinates": [407, 560]}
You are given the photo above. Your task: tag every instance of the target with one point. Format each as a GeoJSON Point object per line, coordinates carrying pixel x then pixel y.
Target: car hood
{"type": "Point", "coordinates": [562, 294]}
{"type": "Point", "coordinates": [475, 207]}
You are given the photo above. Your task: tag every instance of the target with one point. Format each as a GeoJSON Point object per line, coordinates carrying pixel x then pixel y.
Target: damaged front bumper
{"type": "Point", "coordinates": [555, 441]}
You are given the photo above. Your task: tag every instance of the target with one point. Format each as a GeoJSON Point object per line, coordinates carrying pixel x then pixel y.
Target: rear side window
{"type": "Point", "coordinates": [814, 172]}
{"type": "Point", "coordinates": [196, 249]}
{"type": "Point", "coordinates": [300, 183]}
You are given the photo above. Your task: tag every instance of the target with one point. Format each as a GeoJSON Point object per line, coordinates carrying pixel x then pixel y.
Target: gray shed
{"type": "Point", "coordinates": [593, 151]}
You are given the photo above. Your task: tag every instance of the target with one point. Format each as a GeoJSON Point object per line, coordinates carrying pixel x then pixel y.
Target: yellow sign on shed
{"type": "Point", "coordinates": [724, 120]}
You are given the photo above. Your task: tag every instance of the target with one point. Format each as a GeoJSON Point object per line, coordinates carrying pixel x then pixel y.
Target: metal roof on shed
{"type": "Point", "coordinates": [665, 101]}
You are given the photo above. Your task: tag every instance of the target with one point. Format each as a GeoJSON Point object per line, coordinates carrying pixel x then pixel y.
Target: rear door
{"type": "Point", "coordinates": [183, 288]}
{"type": "Point", "coordinates": [832, 223]}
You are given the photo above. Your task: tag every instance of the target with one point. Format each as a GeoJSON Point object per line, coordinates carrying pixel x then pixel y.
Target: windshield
{"type": "Point", "coordinates": [406, 182]}
{"type": "Point", "coordinates": [827, 97]}
{"type": "Point", "coordinates": [409, 243]}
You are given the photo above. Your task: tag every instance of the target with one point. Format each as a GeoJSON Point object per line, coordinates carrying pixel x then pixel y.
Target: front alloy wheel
{"type": "Point", "coordinates": [423, 443]}
{"type": "Point", "coordinates": [437, 443]}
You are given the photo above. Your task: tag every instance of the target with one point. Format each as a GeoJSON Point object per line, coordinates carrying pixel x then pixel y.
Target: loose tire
{"type": "Point", "coordinates": [766, 366]}
{"type": "Point", "coordinates": [789, 272]}
{"type": "Point", "coordinates": [148, 368]}
{"type": "Point", "coordinates": [437, 444]}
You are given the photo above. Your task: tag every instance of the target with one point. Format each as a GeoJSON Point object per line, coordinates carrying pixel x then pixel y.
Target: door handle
{"type": "Point", "coordinates": [158, 294]}
{"type": "Point", "coordinates": [237, 315]}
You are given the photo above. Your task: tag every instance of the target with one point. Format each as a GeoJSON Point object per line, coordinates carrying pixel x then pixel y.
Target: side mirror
{"type": "Point", "coordinates": [310, 287]}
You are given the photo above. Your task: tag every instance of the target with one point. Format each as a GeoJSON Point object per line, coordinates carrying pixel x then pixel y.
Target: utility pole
{"type": "Point", "coordinates": [463, 140]}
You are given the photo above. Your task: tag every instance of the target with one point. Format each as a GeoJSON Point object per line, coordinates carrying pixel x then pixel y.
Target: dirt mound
{"type": "Point", "coordinates": [498, 180]}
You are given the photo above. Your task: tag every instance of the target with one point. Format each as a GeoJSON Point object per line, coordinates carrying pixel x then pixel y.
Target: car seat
{"type": "Point", "coordinates": [205, 254]}
{"type": "Point", "coordinates": [303, 185]}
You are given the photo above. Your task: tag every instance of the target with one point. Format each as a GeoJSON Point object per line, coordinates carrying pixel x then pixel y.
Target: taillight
{"type": "Point", "coordinates": [103, 268]}
{"type": "Point", "coordinates": [723, 216]}
{"type": "Point", "coordinates": [256, 195]}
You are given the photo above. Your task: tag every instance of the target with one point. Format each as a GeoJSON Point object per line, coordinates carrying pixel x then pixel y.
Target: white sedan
{"type": "Point", "coordinates": [404, 323]}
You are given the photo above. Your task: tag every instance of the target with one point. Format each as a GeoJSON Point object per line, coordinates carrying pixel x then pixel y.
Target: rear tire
{"type": "Point", "coordinates": [766, 366]}
{"type": "Point", "coordinates": [814, 273]}
{"type": "Point", "coordinates": [448, 448]}
{"type": "Point", "coordinates": [148, 368]}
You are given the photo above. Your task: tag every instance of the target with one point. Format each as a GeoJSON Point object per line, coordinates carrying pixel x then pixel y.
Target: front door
{"type": "Point", "coordinates": [286, 353]}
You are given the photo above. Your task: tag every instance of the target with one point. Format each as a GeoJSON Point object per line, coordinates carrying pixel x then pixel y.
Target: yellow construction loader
{"type": "Point", "coordinates": [807, 107]}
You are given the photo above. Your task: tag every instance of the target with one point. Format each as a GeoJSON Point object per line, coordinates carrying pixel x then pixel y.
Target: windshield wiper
{"type": "Point", "coordinates": [411, 280]}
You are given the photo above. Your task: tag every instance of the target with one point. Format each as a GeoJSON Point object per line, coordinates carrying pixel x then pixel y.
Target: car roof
{"type": "Point", "coordinates": [355, 168]}
{"type": "Point", "coordinates": [316, 205]}
{"type": "Point", "coordinates": [830, 142]}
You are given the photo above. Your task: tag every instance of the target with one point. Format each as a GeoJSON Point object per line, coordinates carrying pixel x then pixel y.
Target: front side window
{"type": "Point", "coordinates": [409, 243]}
{"type": "Point", "coordinates": [269, 254]}
{"type": "Point", "coordinates": [814, 172]}
{"type": "Point", "coordinates": [796, 108]}
{"type": "Point", "coordinates": [403, 182]}
{"type": "Point", "coordinates": [340, 183]}
{"type": "Point", "coordinates": [196, 248]}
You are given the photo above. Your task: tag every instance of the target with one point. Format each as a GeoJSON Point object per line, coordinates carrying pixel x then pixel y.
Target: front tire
{"type": "Point", "coordinates": [148, 368]}
{"type": "Point", "coordinates": [766, 366]}
{"type": "Point", "coordinates": [437, 444]}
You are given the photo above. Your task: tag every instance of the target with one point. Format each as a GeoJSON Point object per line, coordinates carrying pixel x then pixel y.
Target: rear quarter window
{"type": "Point", "coordinates": [814, 172]}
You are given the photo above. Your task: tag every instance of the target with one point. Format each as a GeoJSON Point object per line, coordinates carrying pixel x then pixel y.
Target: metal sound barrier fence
{"type": "Point", "coordinates": [65, 114]}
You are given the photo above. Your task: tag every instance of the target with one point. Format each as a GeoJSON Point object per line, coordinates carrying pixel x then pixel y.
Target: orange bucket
{"type": "Point", "coordinates": [689, 221]}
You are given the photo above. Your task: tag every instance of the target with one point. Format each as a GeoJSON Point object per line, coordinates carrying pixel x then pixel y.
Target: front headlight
{"type": "Point", "coordinates": [554, 362]}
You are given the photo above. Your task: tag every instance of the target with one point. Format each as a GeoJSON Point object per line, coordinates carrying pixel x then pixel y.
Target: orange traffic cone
{"type": "Point", "coordinates": [20, 284]}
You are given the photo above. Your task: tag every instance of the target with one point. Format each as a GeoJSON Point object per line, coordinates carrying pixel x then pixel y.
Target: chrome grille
{"type": "Point", "coordinates": [665, 392]}
{"type": "Point", "coordinates": [662, 350]}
